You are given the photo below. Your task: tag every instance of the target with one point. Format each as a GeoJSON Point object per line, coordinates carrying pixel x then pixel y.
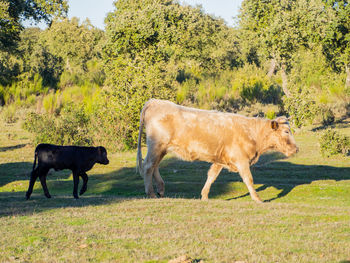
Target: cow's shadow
{"type": "Point", "coordinates": [182, 180]}
{"type": "Point", "coordinates": [272, 170]}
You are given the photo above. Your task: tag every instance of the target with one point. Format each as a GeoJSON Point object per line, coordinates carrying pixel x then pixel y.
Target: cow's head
{"type": "Point", "coordinates": [281, 138]}
{"type": "Point", "coordinates": [102, 155]}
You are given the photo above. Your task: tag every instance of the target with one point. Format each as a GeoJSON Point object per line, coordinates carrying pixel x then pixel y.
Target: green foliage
{"type": "Point", "coordinates": [270, 114]}
{"type": "Point", "coordinates": [52, 103]}
{"type": "Point", "coordinates": [279, 28]}
{"type": "Point", "coordinates": [302, 107]}
{"type": "Point", "coordinates": [332, 143]}
{"type": "Point", "coordinates": [9, 114]}
{"type": "Point", "coordinates": [69, 128]}
{"type": "Point", "coordinates": [328, 117]}
{"type": "Point", "coordinates": [21, 92]}
{"type": "Point", "coordinates": [337, 34]}
{"type": "Point", "coordinates": [151, 47]}
{"type": "Point", "coordinates": [119, 108]}
{"type": "Point", "coordinates": [318, 85]}
{"type": "Point", "coordinates": [228, 90]}
{"type": "Point", "coordinates": [79, 43]}
{"type": "Point", "coordinates": [13, 12]}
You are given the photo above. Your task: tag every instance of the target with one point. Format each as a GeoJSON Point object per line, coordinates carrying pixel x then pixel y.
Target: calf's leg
{"type": "Point", "coordinates": [246, 175]}
{"type": "Point", "coordinates": [85, 180]}
{"type": "Point", "coordinates": [42, 175]}
{"type": "Point", "coordinates": [33, 177]}
{"type": "Point", "coordinates": [76, 183]}
{"type": "Point", "coordinates": [213, 173]}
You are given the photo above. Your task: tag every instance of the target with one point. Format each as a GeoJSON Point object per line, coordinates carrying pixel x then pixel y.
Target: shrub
{"type": "Point", "coordinates": [302, 107]}
{"type": "Point", "coordinates": [43, 126]}
{"type": "Point", "coordinates": [270, 114]}
{"type": "Point", "coordinates": [328, 117]}
{"type": "Point", "coordinates": [9, 114]}
{"type": "Point", "coordinates": [71, 127]}
{"type": "Point", "coordinates": [331, 143]}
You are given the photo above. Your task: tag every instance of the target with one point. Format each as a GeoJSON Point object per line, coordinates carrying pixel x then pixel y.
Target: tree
{"type": "Point", "coordinates": [336, 43]}
{"type": "Point", "coordinates": [280, 28]}
{"type": "Point", "coordinates": [14, 12]}
{"type": "Point", "coordinates": [73, 42]}
{"type": "Point", "coordinates": [152, 45]}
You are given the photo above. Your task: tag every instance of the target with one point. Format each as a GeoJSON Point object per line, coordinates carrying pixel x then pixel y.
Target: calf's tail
{"type": "Point", "coordinates": [139, 153]}
{"type": "Point", "coordinates": [35, 158]}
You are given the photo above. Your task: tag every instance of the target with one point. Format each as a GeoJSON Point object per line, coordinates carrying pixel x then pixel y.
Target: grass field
{"type": "Point", "coordinates": [306, 216]}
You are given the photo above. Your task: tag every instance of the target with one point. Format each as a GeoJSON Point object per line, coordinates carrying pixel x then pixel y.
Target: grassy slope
{"type": "Point", "coordinates": [306, 220]}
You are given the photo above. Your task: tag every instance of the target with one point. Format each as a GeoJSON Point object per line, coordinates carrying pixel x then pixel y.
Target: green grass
{"type": "Point", "coordinates": [306, 217]}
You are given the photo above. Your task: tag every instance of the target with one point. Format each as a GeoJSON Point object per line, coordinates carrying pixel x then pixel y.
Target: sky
{"type": "Point", "coordinates": [96, 10]}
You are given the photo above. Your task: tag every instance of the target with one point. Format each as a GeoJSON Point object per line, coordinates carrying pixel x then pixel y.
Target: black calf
{"type": "Point", "coordinates": [76, 158]}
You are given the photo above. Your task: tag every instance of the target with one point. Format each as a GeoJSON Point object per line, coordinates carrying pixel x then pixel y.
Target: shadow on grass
{"type": "Point", "coordinates": [182, 180]}
{"type": "Point", "coordinates": [10, 148]}
{"type": "Point", "coordinates": [18, 171]}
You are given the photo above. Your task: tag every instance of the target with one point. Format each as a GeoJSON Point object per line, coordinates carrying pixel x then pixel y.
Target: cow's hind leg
{"type": "Point", "coordinates": [244, 172]}
{"type": "Point", "coordinates": [33, 176]}
{"type": "Point", "coordinates": [158, 178]}
{"type": "Point", "coordinates": [151, 162]}
{"type": "Point", "coordinates": [85, 180]}
{"type": "Point", "coordinates": [42, 175]}
{"type": "Point", "coordinates": [213, 173]}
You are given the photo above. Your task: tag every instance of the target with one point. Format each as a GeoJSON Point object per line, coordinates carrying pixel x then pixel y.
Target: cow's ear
{"type": "Point", "coordinates": [274, 125]}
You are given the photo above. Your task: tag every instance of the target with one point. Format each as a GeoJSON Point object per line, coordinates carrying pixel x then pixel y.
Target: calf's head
{"type": "Point", "coordinates": [102, 155]}
{"type": "Point", "coordinates": [281, 138]}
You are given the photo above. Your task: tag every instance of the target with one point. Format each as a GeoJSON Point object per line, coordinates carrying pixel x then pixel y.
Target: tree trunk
{"type": "Point", "coordinates": [347, 70]}
{"type": "Point", "coordinates": [272, 68]}
{"type": "Point", "coordinates": [68, 67]}
{"type": "Point", "coordinates": [284, 81]}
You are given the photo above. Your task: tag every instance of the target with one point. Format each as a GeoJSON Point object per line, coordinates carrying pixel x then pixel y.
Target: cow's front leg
{"type": "Point", "coordinates": [244, 172]}
{"type": "Point", "coordinates": [76, 183]}
{"type": "Point", "coordinates": [85, 180]}
{"type": "Point", "coordinates": [213, 173]}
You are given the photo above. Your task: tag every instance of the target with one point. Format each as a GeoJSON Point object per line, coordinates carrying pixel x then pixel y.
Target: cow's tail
{"type": "Point", "coordinates": [139, 160]}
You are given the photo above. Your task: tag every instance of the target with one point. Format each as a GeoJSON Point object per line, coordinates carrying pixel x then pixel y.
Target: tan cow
{"type": "Point", "coordinates": [226, 140]}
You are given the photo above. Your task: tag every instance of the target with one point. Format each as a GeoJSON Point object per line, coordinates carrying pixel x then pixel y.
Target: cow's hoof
{"type": "Point", "coordinates": [152, 195]}
{"type": "Point", "coordinates": [76, 197]}
{"type": "Point", "coordinates": [160, 195]}
{"type": "Point", "coordinates": [27, 197]}
{"type": "Point", "coordinates": [205, 198]}
{"type": "Point", "coordinates": [48, 195]}
{"type": "Point", "coordinates": [82, 192]}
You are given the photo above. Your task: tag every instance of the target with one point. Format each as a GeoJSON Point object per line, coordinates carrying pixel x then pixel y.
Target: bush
{"type": "Point", "coordinates": [328, 117]}
{"type": "Point", "coordinates": [71, 127]}
{"type": "Point", "coordinates": [43, 126]}
{"type": "Point", "coordinates": [302, 107]}
{"type": "Point", "coordinates": [9, 114]}
{"type": "Point", "coordinates": [270, 114]}
{"type": "Point", "coordinates": [331, 143]}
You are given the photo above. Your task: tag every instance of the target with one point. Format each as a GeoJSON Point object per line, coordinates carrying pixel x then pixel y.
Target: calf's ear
{"type": "Point", "coordinates": [274, 125]}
